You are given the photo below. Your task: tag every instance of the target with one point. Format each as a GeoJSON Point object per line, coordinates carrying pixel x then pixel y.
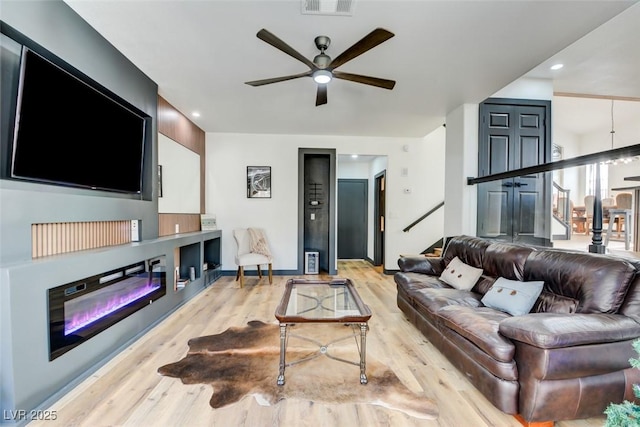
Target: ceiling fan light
{"type": "Point", "coordinates": [322, 76]}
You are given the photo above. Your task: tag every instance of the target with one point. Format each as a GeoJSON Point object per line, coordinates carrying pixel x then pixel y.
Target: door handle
{"type": "Point", "coordinates": [520, 184]}
{"type": "Point", "coordinates": [508, 184]}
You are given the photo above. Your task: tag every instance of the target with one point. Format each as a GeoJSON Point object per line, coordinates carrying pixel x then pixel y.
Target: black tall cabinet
{"type": "Point", "coordinates": [317, 207]}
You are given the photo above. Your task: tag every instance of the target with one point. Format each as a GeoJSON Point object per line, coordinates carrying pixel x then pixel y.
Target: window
{"type": "Point", "coordinates": [604, 180]}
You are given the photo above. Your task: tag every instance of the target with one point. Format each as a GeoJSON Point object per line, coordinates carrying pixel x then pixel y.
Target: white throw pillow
{"type": "Point", "coordinates": [512, 296]}
{"type": "Point", "coordinates": [460, 275]}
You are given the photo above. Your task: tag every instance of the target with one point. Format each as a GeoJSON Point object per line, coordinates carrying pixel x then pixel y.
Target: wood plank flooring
{"type": "Point", "coordinates": [128, 391]}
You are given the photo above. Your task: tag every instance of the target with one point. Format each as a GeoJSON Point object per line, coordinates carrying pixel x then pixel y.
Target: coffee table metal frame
{"type": "Point", "coordinates": [357, 318]}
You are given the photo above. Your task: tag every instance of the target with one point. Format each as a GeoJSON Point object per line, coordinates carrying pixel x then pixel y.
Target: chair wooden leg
{"type": "Point", "coordinates": [270, 274]}
{"type": "Point", "coordinates": [241, 271]}
{"type": "Point", "coordinates": [259, 271]}
{"type": "Point", "coordinates": [238, 274]}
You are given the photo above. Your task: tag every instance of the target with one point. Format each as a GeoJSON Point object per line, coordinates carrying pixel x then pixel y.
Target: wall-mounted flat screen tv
{"type": "Point", "coordinates": [69, 132]}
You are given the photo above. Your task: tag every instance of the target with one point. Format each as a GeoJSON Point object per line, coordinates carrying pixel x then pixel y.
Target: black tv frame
{"type": "Point", "coordinates": [11, 65]}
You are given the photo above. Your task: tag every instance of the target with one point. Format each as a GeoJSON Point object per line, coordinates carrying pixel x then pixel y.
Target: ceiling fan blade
{"type": "Point", "coordinates": [373, 81]}
{"type": "Point", "coordinates": [371, 40]}
{"type": "Point", "coordinates": [274, 41]}
{"type": "Point", "coordinates": [321, 97]}
{"type": "Point", "coordinates": [277, 79]}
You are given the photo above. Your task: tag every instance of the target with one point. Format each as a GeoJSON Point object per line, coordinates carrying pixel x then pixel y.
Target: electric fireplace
{"type": "Point", "coordinates": [79, 310]}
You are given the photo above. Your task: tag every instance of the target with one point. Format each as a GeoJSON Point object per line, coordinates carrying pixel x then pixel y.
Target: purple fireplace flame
{"type": "Point", "coordinates": [87, 309]}
{"type": "Point", "coordinates": [82, 309]}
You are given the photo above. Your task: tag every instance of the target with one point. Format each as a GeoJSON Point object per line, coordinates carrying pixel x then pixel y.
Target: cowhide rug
{"type": "Point", "coordinates": [245, 361]}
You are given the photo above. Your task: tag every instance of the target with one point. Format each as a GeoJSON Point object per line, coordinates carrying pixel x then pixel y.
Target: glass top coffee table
{"type": "Point", "coordinates": [323, 301]}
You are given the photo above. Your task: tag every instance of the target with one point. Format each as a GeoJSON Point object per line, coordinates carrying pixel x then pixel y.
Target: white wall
{"type": "Point", "coordinates": [462, 161]}
{"type": "Point", "coordinates": [617, 174]}
{"type": "Point", "coordinates": [627, 133]}
{"type": "Point", "coordinates": [228, 155]}
{"type": "Point", "coordinates": [180, 177]}
{"type": "Point", "coordinates": [527, 88]}
{"type": "Point", "coordinates": [570, 178]}
{"type": "Point", "coordinates": [353, 169]}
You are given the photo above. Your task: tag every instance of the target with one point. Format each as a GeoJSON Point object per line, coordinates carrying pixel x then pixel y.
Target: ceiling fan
{"type": "Point", "coordinates": [323, 68]}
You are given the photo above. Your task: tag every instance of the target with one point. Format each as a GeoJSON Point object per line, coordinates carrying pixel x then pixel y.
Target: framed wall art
{"type": "Point", "coordinates": [259, 182]}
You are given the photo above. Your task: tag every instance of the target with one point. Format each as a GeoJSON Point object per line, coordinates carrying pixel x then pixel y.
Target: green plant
{"type": "Point", "coordinates": [626, 414]}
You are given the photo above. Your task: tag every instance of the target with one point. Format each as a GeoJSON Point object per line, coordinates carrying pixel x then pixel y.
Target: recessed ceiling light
{"type": "Point", "coordinates": [195, 114]}
{"type": "Point", "coordinates": [557, 66]}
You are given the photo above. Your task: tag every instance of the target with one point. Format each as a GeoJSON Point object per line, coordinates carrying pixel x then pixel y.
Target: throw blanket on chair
{"type": "Point", "coordinates": [258, 242]}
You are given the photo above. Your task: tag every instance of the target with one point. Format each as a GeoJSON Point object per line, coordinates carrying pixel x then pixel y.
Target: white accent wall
{"type": "Point", "coordinates": [180, 177]}
{"type": "Point", "coordinates": [461, 162]}
{"type": "Point", "coordinates": [227, 158]}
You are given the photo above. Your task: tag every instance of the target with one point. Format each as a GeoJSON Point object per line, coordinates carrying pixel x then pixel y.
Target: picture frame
{"type": "Point", "coordinates": [259, 182]}
{"type": "Point", "coordinates": [208, 222]}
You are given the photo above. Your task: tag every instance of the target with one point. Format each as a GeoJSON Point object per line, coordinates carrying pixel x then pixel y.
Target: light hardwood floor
{"type": "Point", "coordinates": [128, 391]}
{"type": "Point", "coordinates": [581, 242]}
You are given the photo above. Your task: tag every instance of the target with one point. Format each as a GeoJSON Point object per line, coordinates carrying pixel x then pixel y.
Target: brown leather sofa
{"type": "Point", "coordinates": [567, 359]}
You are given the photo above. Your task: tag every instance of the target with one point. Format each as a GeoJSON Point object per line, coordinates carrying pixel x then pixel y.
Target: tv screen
{"type": "Point", "coordinates": [67, 132]}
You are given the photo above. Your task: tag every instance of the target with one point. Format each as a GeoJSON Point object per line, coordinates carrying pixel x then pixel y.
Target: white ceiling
{"type": "Point", "coordinates": [444, 54]}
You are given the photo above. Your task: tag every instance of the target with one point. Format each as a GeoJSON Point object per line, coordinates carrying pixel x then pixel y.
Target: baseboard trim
{"type": "Point", "coordinates": [287, 272]}
{"type": "Point", "coordinates": [264, 271]}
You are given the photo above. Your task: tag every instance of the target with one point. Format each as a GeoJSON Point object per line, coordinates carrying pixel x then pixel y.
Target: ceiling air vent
{"type": "Point", "coordinates": [328, 7]}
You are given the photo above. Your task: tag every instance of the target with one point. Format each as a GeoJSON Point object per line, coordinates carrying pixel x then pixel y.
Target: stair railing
{"type": "Point", "coordinates": [562, 213]}
{"type": "Point", "coordinates": [417, 221]}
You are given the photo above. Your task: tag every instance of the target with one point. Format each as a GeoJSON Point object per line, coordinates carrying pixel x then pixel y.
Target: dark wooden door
{"type": "Point", "coordinates": [514, 136]}
{"type": "Point", "coordinates": [379, 219]}
{"type": "Point", "coordinates": [352, 218]}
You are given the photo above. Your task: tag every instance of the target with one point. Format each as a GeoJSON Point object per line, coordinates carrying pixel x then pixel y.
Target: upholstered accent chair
{"type": "Point", "coordinates": [252, 249]}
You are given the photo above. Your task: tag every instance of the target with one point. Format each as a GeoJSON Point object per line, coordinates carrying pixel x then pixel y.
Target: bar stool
{"type": "Point", "coordinates": [622, 216]}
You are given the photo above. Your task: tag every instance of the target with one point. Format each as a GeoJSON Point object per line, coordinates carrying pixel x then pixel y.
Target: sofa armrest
{"type": "Point", "coordinates": [433, 266]}
{"type": "Point", "coordinates": [552, 330]}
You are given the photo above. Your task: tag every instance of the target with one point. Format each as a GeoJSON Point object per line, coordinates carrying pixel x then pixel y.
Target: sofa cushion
{"type": "Point", "coordinates": [505, 260]}
{"type": "Point", "coordinates": [552, 303]}
{"type": "Point", "coordinates": [480, 326]}
{"type": "Point", "coordinates": [484, 284]}
{"type": "Point", "coordinates": [598, 282]}
{"type": "Point", "coordinates": [551, 330]}
{"type": "Point", "coordinates": [469, 249]}
{"type": "Point", "coordinates": [421, 264]}
{"type": "Point", "coordinates": [512, 296]}
{"type": "Point", "coordinates": [465, 349]}
{"type": "Point", "coordinates": [631, 305]}
{"type": "Point", "coordinates": [460, 275]}
{"type": "Point", "coordinates": [434, 299]}
{"type": "Point", "coordinates": [414, 281]}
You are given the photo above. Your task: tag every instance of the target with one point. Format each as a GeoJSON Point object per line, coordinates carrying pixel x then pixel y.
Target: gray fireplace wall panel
{"type": "Point", "coordinates": [28, 379]}
{"type": "Point", "coordinates": [54, 26]}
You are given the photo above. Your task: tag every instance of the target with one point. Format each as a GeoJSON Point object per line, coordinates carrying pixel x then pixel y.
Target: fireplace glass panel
{"type": "Point", "coordinates": [82, 309]}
